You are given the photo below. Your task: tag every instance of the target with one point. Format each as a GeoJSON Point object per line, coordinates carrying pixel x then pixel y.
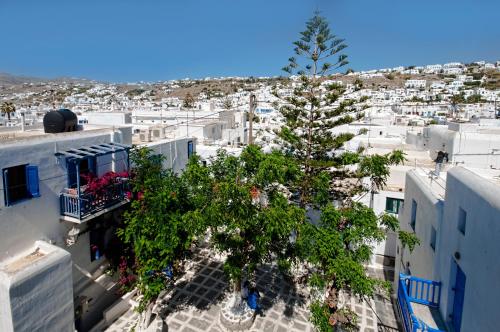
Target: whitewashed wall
{"type": "Point", "coordinates": [38, 296]}
{"type": "Point", "coordinates": [479, 248]}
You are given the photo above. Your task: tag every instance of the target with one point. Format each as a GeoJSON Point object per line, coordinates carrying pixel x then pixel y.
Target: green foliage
{"type": "Point", "coordinates": [156, 225]}
{"type": "Point", "coordinates": [416, 99]}
{"type": "Point", "coordinates": [322, 318]}
{"type": "Point", "coordinates": [316, 280]}
{"type": "Point", "coordinates": [320, 314]}
{"type": "Point", "coordinates": [409, 240]}
{"type": "Point", "coordinates": [340, 244]}
{"type": "Point", "coordinates": [7, 108]}
{"type": "Point", "coordinates": [313, 111]}
{"type": "Point", "coordinates": [241, 200]}
{"type": "Point", "coordinates": [188, 101]}
{"type": "Point", "coordinates": [358, 84]}
{"type": "Point", "coordinates": [376, 167]}
{"type": "Point", "coordinates": [458, 99]}
{"type": "Point", "coordinates": [134, 92]}
{"type": "Point", "coordinates": [227, 103]}
{"type": "Point", "coordinates": [473, 83]}
{"type": "Point", "coordinates": [349, 158]}
{"type": "Point", "coordinates": [474, 99]}
{"type": "Point", "coordinates": [389, 221]}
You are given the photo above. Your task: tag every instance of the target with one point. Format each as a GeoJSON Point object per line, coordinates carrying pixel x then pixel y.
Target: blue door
{"type": "Point", "coordinates": [458, 301]}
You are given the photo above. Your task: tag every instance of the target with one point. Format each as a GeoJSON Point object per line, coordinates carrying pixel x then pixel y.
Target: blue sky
{"type": "Point", "coordinates": [124, 40]}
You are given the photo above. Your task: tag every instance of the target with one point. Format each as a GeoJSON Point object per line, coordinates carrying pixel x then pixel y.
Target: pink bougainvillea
{"type": "Point", "coordinates": [126, 279]}
{"type": "Point", "coordinates": [97, 186]}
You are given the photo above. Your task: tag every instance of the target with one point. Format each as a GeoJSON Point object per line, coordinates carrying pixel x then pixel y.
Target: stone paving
{"type": "Point", "coordinates": [194, 303]}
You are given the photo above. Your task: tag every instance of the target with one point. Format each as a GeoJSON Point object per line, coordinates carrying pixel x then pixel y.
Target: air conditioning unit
{"type": "Point", "coordinates": [145, 136]}
{"type": "Point", "coordinates": [158, 133]}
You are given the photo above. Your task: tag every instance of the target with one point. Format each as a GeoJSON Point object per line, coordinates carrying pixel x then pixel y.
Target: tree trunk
{"type": "Point", "coordinates": [237, 292]}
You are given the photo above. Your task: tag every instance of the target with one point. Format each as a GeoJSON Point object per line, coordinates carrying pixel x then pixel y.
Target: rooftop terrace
{"type": "Point", "coordinates": [39, 133]}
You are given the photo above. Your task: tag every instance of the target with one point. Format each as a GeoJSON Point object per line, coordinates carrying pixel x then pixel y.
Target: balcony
{"type": "Point", "coordinates": [418, 304]}
{"type": "Point", "coordinates": [91, 204]}
{"type": "Point", "coordinates": [87, 195]}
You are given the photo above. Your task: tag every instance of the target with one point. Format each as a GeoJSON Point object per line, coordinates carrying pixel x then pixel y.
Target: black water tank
{"type": "Point", "coordinates": [60, 121]}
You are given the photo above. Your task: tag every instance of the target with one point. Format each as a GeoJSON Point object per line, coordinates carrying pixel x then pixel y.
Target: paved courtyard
{"type": "Point", "coordinates": [194, 303]}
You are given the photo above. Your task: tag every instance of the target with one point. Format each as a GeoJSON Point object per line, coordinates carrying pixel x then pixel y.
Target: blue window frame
{"type": "Point", "coordinates": [462, 220]}
{"type": "Point", "coordinates": [190, 149]}
{"type": "Point", "coordinates": [413, 220]}
{"type": "Point", "coordinates": [20, 183]}
{"type": "Point", "coordinates": [433, 238]}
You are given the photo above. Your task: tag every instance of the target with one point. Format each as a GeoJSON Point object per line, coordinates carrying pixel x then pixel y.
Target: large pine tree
{"type": "Point", "coordinates": [317, 107]}
{"type": "Point", "coordinates": [340, 243]}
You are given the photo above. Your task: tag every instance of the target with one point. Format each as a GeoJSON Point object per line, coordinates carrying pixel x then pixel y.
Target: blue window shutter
{"type": "Point", "coordinates": [32, 180]}
{"type": "Point", "coordinates": [71, 168]}
{"type": "Point", "coordinates": [190, 148]}
{"type": "Point", "coordinates": [6, 186]}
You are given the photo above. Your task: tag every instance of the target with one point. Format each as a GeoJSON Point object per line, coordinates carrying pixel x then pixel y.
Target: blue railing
{"type": "Point", "coordinates": [413, 289]}
{"type": "Point", "coordinates": [87, 204]}
{"type": "Point", "coordinates": [423, 291]}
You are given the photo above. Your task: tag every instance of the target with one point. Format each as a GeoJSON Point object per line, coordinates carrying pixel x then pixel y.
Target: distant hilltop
{"type": "Point", "coordinates": [11, 79]}
{"type": "Point", "coordinates": [446, 68]}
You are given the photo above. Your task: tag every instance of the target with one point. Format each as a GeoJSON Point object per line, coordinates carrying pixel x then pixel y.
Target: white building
{"type": "Point", "coordinates": [470, 144]}
{"type": "Point", "coordinates": [455, 85]}
{"type": "Point", "coordinates": [453, 70]}
{"type": "Point", "coordinates": [432, 69]}
{"type": "Point", "coordinates": [452, 65]}
{"type": "Point", "coordinates": [415, 84]}
{"type": "Point", "coordinates": [40, 201]}
{"type": "Point", "coordinates": [455, 216]}
{"type": "Point", "coordinates": [58, 236]}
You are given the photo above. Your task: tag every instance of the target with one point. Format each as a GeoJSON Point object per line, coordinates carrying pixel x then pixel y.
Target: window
{"type": "Point", "coordinates": [413, 214]}
{"type": "Point", "coordinates": [190, 149]}
{"type": "Point", "coordinates": [87, 166]}
{"type": "Point", "coordinates": [433, 238]}
{"type": "Point", "coordinates": [20, 183]}
{"type": "Point", "coordinates": [393, 205]}
{"type": "Point", "coordinates": [462, 220]}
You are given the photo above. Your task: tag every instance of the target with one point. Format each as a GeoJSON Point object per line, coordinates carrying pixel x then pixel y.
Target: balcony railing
{"type": "Point", "coordinates": [419, 291]}
{"type": "Point", "coordinates": [86, 204]}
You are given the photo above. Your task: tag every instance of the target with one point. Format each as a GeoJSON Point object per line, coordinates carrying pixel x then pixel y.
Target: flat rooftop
{"type": "Point", "coordinates": [492, 175]}
{"type": "Point", "coordinates": [29, 134]}
{"type": "Point", "coordinates": [23, 261]}
{"type": "Point", "coordinates": [28, 258]}
{"type": "Point", "coordinates": [155, 141]}
{"type": "Point", "coordinates": [437, 182]}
